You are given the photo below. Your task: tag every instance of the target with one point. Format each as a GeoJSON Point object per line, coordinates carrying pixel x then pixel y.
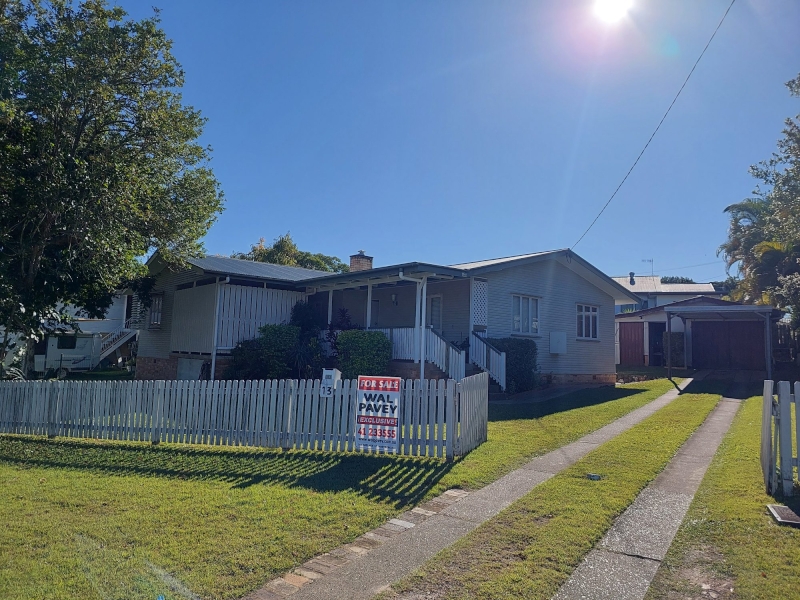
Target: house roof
{"type": "Point", "coordinates": [223, 265]}
{"type": "Point", "coordinates": [651, 284]}
{"type": "Point", "coordinates": [501, 261]}
{"type": "Point", "coordinates": [565, 257]}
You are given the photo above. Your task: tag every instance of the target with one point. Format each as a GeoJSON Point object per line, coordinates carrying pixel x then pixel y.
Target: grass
{"type": "Point", "coordinates": [530, 549]}
{"type": "Point", "coordinates": [106, 520]}
{"type": "Point", "coordinates": [728, 541]}
{"type": "Point", "coordinates": [653, 372]}
{"type": "Point", "coordinates": [102, 374]}
{"type": "Point", "coordinates": [518, 433]}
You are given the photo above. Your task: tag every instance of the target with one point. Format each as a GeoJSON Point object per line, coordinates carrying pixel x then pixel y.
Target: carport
{"type": "Point", "coordinates": [731, 336]}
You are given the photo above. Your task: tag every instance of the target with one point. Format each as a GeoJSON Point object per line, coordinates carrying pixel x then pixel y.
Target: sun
{"type": "Point", "coordinates": [612, 11]}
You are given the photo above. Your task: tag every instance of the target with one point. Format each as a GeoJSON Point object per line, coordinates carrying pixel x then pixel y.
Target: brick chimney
{"type": "Point", "coordinates": [360, 262]}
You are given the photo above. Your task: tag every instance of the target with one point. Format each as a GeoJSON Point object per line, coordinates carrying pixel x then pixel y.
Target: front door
{"type": "Point", "coordinates": [434, 312]}
{"type": "Point", "coordinates": [376, 305]}
{"type": "Point", "coordinates": [656, 335]}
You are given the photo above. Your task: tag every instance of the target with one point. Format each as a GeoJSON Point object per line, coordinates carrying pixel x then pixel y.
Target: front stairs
{"type": "Point", "coordinates": [408, 369]}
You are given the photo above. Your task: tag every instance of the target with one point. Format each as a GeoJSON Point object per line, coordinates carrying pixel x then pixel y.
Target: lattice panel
{"type": "Point", "coordinates": [480, 302]}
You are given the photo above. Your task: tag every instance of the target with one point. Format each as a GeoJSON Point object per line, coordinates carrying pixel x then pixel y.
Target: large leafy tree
{"type": "Point", "coordinates": [283, 251]}
{"type": "Point", "coordinates": [764, 234]}
{"type": "Point", "coordinates": [99, 158]}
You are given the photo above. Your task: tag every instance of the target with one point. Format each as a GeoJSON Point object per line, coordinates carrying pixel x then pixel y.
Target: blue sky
{"type": "Point", "coordinates": [448, 131]}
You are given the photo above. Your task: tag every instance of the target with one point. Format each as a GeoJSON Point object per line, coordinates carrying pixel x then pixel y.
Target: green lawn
{"type": "Point", "coordinates": [530, 549]}
{"type": "Point", "coordinates": [103, 520]}
{"type": "Point", "coordinates": [728, 540]}
{"type": "Point", "coordinates": [102, 374]}
{"type": "Point", "coordinates": [653, 372]}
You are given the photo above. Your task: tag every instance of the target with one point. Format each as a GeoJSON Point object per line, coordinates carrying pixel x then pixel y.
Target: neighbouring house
{"type": "Point", "coordinates": [444, 315]}
{"type": "Point", "coordinates": [91, 342]}
{"type": "Point", "coordinates": [717, 334]}
{"type": "Point", "coordinates": [654, 293]}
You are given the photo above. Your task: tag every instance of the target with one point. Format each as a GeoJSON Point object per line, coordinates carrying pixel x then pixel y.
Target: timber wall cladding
{"type": "Point", "coordinates": [439, 418]}
{"type": "Point", "coordinates": [244, 309]}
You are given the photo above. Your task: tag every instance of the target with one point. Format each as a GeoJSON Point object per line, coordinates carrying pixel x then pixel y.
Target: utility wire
{"type": "Point", "coordinates": [624, 179]}
{"type": "Point", "coordinates": [716, 262]}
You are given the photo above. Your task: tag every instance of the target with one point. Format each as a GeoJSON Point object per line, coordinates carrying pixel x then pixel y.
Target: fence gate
{"type": "Point", "coordinates": [777, 434]}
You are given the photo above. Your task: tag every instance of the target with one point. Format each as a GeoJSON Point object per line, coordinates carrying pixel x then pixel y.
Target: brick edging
{"type": "Point", "coordinates": [319, 566]}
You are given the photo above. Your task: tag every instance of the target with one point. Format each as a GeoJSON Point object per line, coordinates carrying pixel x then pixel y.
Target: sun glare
{"type": "Point", "coordinates": [611, 11]}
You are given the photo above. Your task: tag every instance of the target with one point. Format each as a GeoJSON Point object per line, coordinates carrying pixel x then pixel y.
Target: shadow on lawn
{"type": "Point", "coordinates": [401, 480]}
{"type": "Point", "coordinates": [579, 399]}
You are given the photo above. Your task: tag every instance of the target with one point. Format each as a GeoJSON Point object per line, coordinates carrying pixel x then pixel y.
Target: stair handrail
{"type": "Point", "coordinates": [108, 339]}
{"type": "Point", "coordinates": [491, 360]}
{"type": "Point", "coordinates": [453, 361]}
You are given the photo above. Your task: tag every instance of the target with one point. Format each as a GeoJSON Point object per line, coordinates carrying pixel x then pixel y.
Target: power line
{"type": "Point", "coordinates": [624, 179]}
{"type": "Point", "coordinates": [716, 262]}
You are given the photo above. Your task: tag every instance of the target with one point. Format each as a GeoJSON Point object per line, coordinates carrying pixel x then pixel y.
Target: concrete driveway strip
{"type": "Point", "coordinates": [625, 561]}
{"type": "Point", "coordinates": [362, 576]}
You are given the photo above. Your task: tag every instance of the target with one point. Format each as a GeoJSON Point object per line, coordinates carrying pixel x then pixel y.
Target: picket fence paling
{"type": "Point", "coordinates": [438, 418]}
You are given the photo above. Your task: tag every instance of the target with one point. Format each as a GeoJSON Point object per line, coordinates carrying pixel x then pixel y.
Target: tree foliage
{"type": "Point", "coordinates": [764, 233]}
{"type": "Point", "coordinates": [99, 159]}
{"type": "Point", "coordinates": [283, 251]}
{"type": "Point", "coordinates": [677, 279]}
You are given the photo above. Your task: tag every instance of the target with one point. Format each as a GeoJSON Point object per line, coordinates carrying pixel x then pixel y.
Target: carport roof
{"type": "Point", "coordinates": [735, 312]}
{"type": "Point", "coordinates": [708, 309]}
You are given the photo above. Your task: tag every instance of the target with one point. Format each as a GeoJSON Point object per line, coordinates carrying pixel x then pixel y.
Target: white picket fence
{"type": "Point", "coordinates": [777, 459]}
{"type": "Point", "coordinates": [440, 419]}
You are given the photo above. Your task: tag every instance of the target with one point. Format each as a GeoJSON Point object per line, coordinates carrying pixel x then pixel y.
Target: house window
{"type": "Point", "coordinates": [524, 315]}
{"type": "Point", "coordinates": [587, 322]}
{"type": "Point", "coordinates": [156, 305]}
{"type": "Point", "coordinates": [66, 342]}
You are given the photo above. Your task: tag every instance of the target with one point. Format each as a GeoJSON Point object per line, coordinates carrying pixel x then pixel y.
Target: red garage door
{"type": "Point", "coordinates": [728, 345]}
{"type": "Point", "coordinates": [631, 344]}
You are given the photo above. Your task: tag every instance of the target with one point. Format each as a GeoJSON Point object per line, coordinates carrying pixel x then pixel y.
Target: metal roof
{"type": "Point", "coordinates": [250, 268]}
{"type": "Point", "coordinates": [701, 305]}
{"type": "Point", "coordinates": [650, 284]}
{"type": "Point", "coordinates": [496, 261]}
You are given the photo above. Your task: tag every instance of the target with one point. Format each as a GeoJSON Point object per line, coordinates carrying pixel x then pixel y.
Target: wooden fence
{"type": "Point", "coordinates": [777, 459]}
{"type": "Point", "coordinates": [441, 418]}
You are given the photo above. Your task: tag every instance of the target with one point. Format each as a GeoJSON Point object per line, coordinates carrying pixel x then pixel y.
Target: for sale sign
{"type": "Point", "coordinates": [378, 413]}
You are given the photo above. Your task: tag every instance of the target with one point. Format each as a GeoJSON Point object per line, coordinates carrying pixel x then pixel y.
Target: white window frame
{"type": "Point", "coordinates": [156, 312]}
{"type": "Point", "coordinates": [533, 325]}
{"type": "Point", "coordinates": [587, 312]}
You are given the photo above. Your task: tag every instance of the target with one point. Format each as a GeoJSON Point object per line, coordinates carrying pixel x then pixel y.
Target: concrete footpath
{"type": "Point", "coordinates": [360, 570]}
{"type": "Point", "coordinates": [623, 564]}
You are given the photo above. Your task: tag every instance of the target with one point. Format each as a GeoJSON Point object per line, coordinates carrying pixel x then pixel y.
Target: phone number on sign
{"type": "Point", "coordinates": [381, 433]}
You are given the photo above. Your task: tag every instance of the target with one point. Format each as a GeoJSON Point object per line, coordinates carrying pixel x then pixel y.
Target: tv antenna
{"type": "Point", "coordinates": [649, 260]}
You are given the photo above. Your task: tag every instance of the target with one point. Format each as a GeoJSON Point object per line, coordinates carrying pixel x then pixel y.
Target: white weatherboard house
{"type": "Point", "coordinates": [441, 313]}
{"type": "Point", "coordinates": [93, 340]}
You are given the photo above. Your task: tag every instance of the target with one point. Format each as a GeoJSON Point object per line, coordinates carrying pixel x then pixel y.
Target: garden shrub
{"type": "Point", "coordinates": [363, 353]}
{"type": "Point", "coordinates": [521, 365]}
{"type": "Point", "coordinates": [269, 356]}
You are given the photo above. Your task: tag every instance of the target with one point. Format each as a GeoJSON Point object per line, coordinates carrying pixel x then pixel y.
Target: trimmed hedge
{"type": "Point", "coordinates": [521, 363]}
{"type": "Point", "coordinates": [269, 356]}
{"type": "Point", "coordinates": [363, 353]}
